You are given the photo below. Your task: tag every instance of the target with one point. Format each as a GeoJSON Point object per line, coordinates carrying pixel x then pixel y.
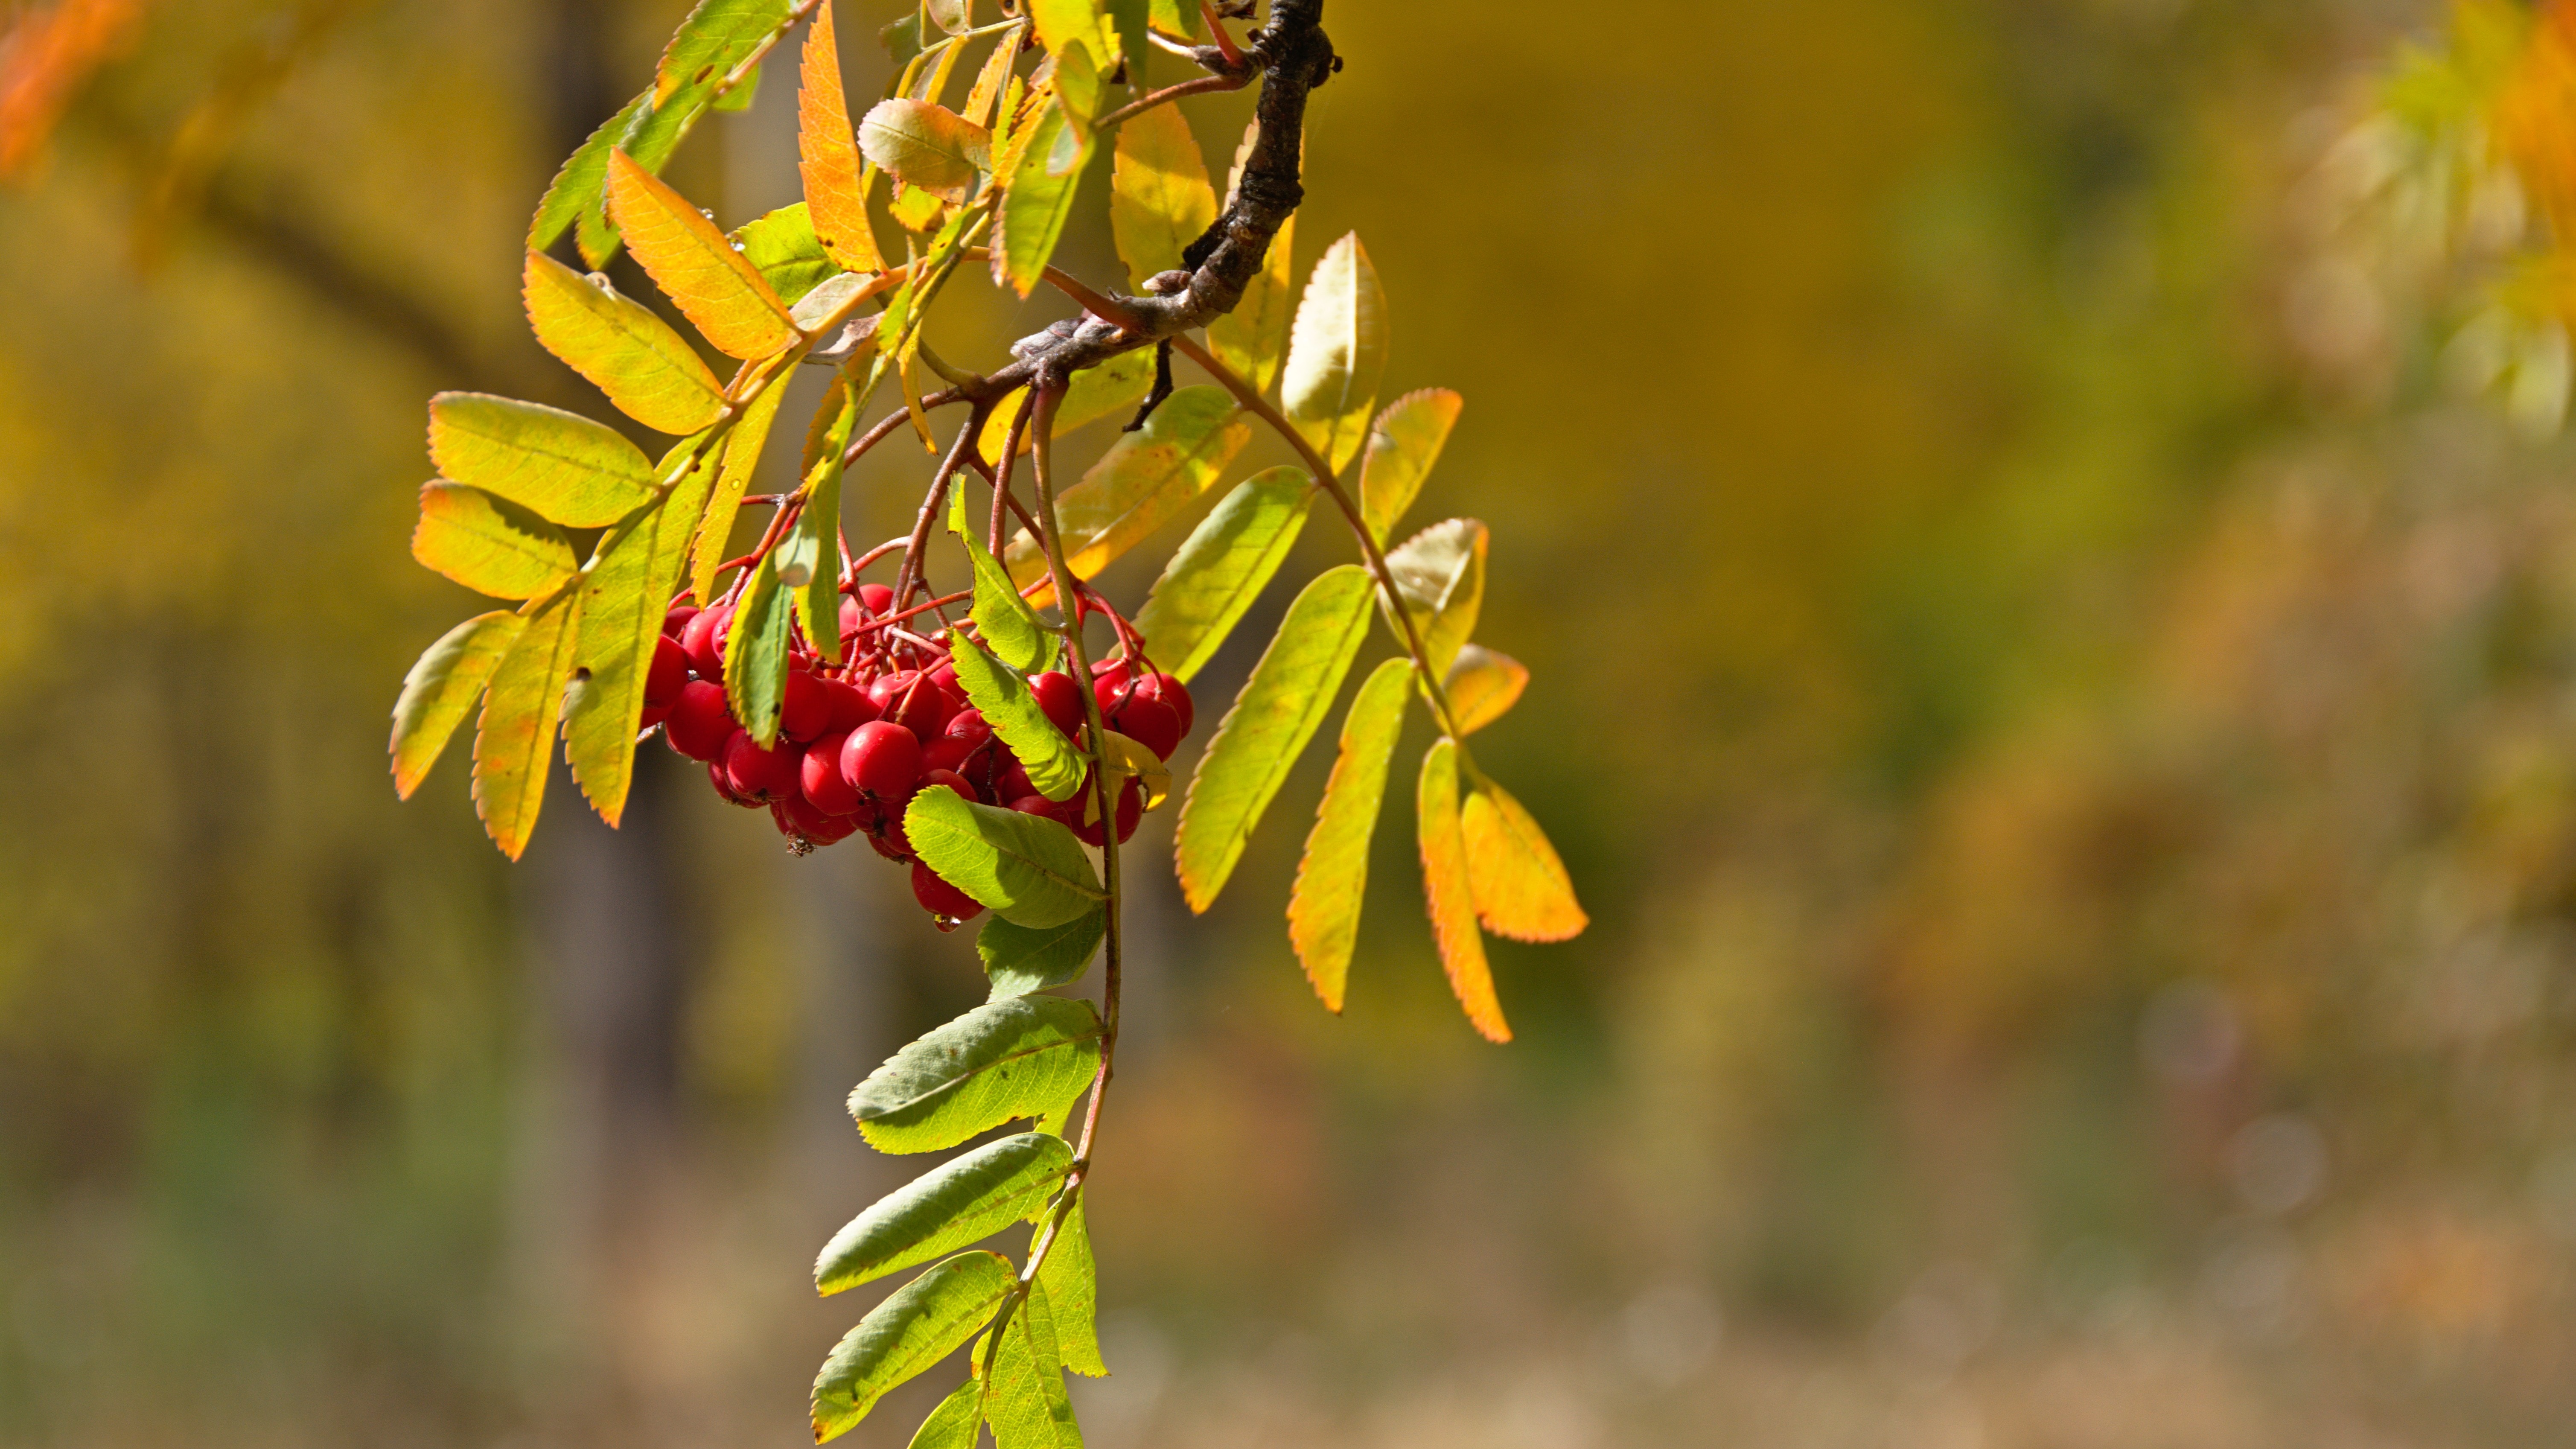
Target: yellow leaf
{"type": "Point", "coordinates": [1336, 352]}
{"type": "Point", "coordinates": [741, 455]}
{"type": "Point", "coordinates": [994, 81]}
{"type": "Point", "coordinates": [926, 145]}
{"type": "Point", "coordinates": [827, 156]}
{"type": "Point", "coordinates": [714, 286]}
{"type": "Point", "coordinates": [1402, 445]}
{"type": "Point", "coordinates": [1130, 759]}
{"type": "Point", "coordinates": [647, 370]}
{"type": "Point", "coordinates": [1145, 480]}
{"type": "Point", "coordinates": [1452, 898]}
{"type": "Point", "coordinates": [1441, 574]}
{"type": "Point", "coordinates": [1332, 876]}
{"type": "Point", "coordinates": [1521, 888]}
{"type": "Point", "coordinates": [1482, 685]}
{"type": "Point", "coordinates": [514, 742]}
{"type": "Point", "coordinates": [567, 468]}
{"type": "Point", "coordinates": [488, 544]}
{"type": "Point", "coordinates": [1159, 197]}
{"type": "Point", "coordinates": [441, 687]}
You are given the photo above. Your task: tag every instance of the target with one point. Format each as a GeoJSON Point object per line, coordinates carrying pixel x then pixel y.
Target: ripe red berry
{"type": "Point", "coordinates": [724, 787]}
{"type": "Point", "coordinates": [762, 774]}
{"type": "Point", "coordinates": [676, 618]}
{"type": "Point", "coordinates": [954, 781]}
{"type": "Point", "coordinates": [653, 714]}
{"type": "Point", "coordinates": [882, 760]}
{"type": "Point", "coordinates": [797, 816]}
{"type": "Point", "coordinates": [941, 899]}
{"type": "Point", "coordinates": [699, 724]}
{"type": "Point", "coordinates": [924, 709]}
{"type": "Point", "coordinates": [852, 616]}
{"type": "Point", "coordinates": [1061, 698]}
{"type": "Point", "coordinates": [819, 776]}
{"type": "Point", "coordinates": [704, 640]}
{"type": "Point", "coordinates": [668, 673]}
{"type": "Point", "coordinates": [887, 840]}
{"type": "Point", "coordinates": [886, 689]}
{"type": "Point", "coordinates": [1131, 808]}
{"type": "Point", "coordinates": [1149, 722]}
{"type": "Point", "coordinates": [946, 753]}
{"type": "Point", "coordinates": [804, 707]}
{"type": "Point", "coordinates": [1062, 812]}
{"type": "Point", "coordinates": [1013, 782]}
{"type": "Point", "coordinates": [877, 599]}
{"type": "Point", "coordinates": [968, 724]}
{"type": "Point", "coordinates": [945, 673]}
{"type": "Point", "coordinates": [850, 707]}
{"type": "Point", "coordinates": [1171, 694]}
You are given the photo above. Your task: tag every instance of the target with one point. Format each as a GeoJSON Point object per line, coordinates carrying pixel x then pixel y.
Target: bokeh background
{"type": "Point", "coordinates": [2063, 713]}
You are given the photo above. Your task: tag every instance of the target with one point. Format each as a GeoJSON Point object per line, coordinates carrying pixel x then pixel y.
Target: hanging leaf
{"type": "Point", "coordinates": [1251, 338]}
{"type": "Point", "coordinates": [1024, 1398]}
{"type": "Point", "coordinates": [711, 283]}
{"type": "Point", "coordinates": [1452, 898]}
{"type": "Point", "coordinates": [1482, 685]}
{"type": "Point", "coordinates": [948, 1207]}
{"type": "Point", "coordinates": [561, 465]}
{"type": "Point", "coordinates": [1147, 478]}
{"type": "Point", "coordinates": [624, 350]}
{"type": "Point", "coordinates": [742, 450]}
{"type": "Point", "coordinates": [1159, 197]}
{"type": "Point", "coordinates": [926, 145]}
{"type": "Point", "coordinates": [1336, 353]}
{"type": "Point", "coordinates": [809, 558]}
{"type": "Point", "coordinates": [1020, 1058]}
{"type": "Point", "coordinates": [756, 652]}
{"type": "Point", "coordinates": [1008, 626]}
{"type": "Point", "coordinates": [1522, 890]}
{"type": "Point", "coordinates": [1045, 174]}
{"type": "Point", "coordinates": [993, 82]}
{"type": "Point", "coordinates": [1441, 574]}
{"type": "Point", "coordinates": [1026, 868]}
{"type": "Point", "coordinates": [1055, 768]}
{"type": "Point", "coordinates": [624, 596]}
{"type": "Point", "coordinates": [1073, 1296]}
{"type": "Point", "coordinates": [584, 177]}
{"type": "Point", "coordinates": [1332, 876]}
{"type": "Point", "coordinates": [1114, 387]}
{"type": "Point", "coordinates": [716, 38]}
{"type": "Point", "coordinates": [953, 1424]}
{"type": "Point", "coordinates": [442, 686]}
{"type": "Point", "coordinates": [782, 247]}
{"type": "Point", "coordinates": [917, 1325]}
{"type": "Point", "coordinates": [1222, 567]}
{"type": "Point", "coordinates": [514, 740]}
{"type": "Point", "coordinates": [827, 156]}
{"type": "Point", "coordinates": [1019, 960]}
{"type": "Point", "coordinates": [1402, 445]}
{"type": "Point", "coordinates": [489, 544]}
{"type": "Point", "coordinates": [1269, 725]}
{"type": "Point", "coordinates": [1070, 23]}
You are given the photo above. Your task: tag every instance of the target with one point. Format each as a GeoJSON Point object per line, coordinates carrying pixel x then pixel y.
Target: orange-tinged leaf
{"type": "Point", "coordinates": [1451, 896]}
{"type": "Point", "coordinates": [1482, 685]}
{"type": "Point", "coordinates": [713, 285]}
{"type": "Point", "coordinates": [649, 371]}
{"type": "Point", "coordinates": [1332, 876]}
{"type": "Point", "coordinates": [994, 80]}
{"type": "Point", "coordinates": [489, 544]}
{"type": "Point", "coordinates": [441, 687]}
{"type": "Point", "coordinates": [1145, 480]}
{"type": "Point", "coordinates": [1402, 445]}
{"type": "Point", "coordinates": [1441, 574]}
{"type": "Point", "coordinates": [827, 156]}
{"type": "Point", "coordinates": [1159, 197]}
{"type": "Point", "coordinates": [926, 145]}
{"type": "Point", "coordinates": [1521, 888]}
{"type": "Point", "coordinates": [514, 742]}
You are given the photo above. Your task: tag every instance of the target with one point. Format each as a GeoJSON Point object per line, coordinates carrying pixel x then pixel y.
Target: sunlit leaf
{"type": "Point", "coordinates": [1483, 684]}
{"type": "Point", "coordinates": [744, 92]}
{"type": "Point", "coordinates": [1146, 479]}
{"type": "Point", "coordinates": [1115, 386]}
{"type": "Point", "coordinates": [442, 686]}
{"type": "Point", "coordinates": [1159, 197]}
{"type": "Point", "coordinates": [782, 247]}
{"type": "Point", "coordinates": [623, 598]}
{"type": "Point", "coordinates": [717, 37]}
{"type": "Point", "coordinates": [1336, 353]}
{"type": "Point", "coordinates": [584, 177]}
{"type": "Point", "coordinates": [1064, 23]}
{"type": "Point", "coordinates": [1055, 768]}
{"type": "Point", "coordinates": [917, 1325]}
{"type": "Point", "coordinates": [1176, 18]}
{"type": "Point", "coordinates": [1019, 960]}
{"type": "Point", "coordinates": [926, 145]}
{"type": "Point", "coordinates": [647, 370]}
{"type": "Point", "coordinates": [1272, 719]}
{"type": "Point", "coordinates": [1027, 868]}
{"type": "Point", "coordinates": [1046, 172]}
{"type": "Point", "coordinates": [514, 741]}
{"type": "Point", "coordinates": [489, 544]}
{"type": "Point", "coordinates": [1441, 574]}
{"type": "Point", "coordinates": [1251, 338]}
{"type": "Point", "coordinates": [946, 1208]}
{"type": "Point", "coordinates": [756, 651]}
{"type": "Point", "coordinates": [1402, 445]}
{"type": "Point", "coordinates": [1082, 84]}
{"type": "Point", "coordinates": [690, 260]}
{"type": "Point", "coordinates": [827, 156]}
{"type": "Point", "coordinates": [561, 465]}
{"type": "Point", "coordinates": [948, 15]}
{"type": "Point", "coordinates": [1024, 1397]}
{"type": "Point", "coordinates": [1222, 567]}
{"type": "Point", "coordinates": [1004, 620]}
{"type": "Point", "coordinates": [993, 82]}
{"type": "Point", "coordinates": [809, 558]}
{"type": "Point", "coordinates": [1332, 876]}
{"type": "Point", "coordinates": [1451, 896]}
{"type": "Point", "coordinates": [954, 1423]}
{"type": "Point", "coordinates": [742, 448]}
{"type": "Point", "coordinates": [1073, 1296]}
{"type": "Point", "coordinates": [1023, 1057]}
{"type": "Point", "coordinates": [1522, 890]}
{"type": "Point", "coordinates": [1128, 758]}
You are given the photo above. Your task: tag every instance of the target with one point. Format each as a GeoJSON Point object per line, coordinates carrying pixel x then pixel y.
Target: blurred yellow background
{"type": "Point", "coordinates": [2061, 717]}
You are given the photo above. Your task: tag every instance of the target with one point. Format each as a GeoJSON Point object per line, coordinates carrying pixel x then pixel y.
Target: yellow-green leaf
{"type": "Point", "coordinates": [917, 1325]}
{"type": "Point", "coordinates": [1146, 479]}
{"type": "Point", "coordinates": [1024, 1398]}
{"type": "Point", "coordinates": [809, 558]}
{"type": "Point", "coordinates": [1159, 197]}
{"type": "Point", "coordinates": [1065, 23]}
{"type": "Point", "coordinates": [1176, 18]}
{"type": "Point", "coordinates": [514, 741]}
{"type": "Point", "coordinates": [1482, 685]}
{"type": "Point", "coordinates": [1336, 353]}
{"type": "Point", "coordinates": [647, 370]}
{"type": "Point", "coordinates": [742, 449]}
{"type": "Point", "coordinates": [1451, 896]}
{"type": "Point", "coordinates": [1019, 960]}
{"type": "Point", "coordinates": [577, 186]}
{"type": "Point", "coordinates": [1046, 172]}
{"type": "Point", "coordinates": [1069, 1277]}
{"type": "Point", "coordinates": [1004, 620]}
{"type": "Point", "coordinates": [948, 1207]}
{"type": "Point", "coordinates": [442, 686]}
{"type": "Point", "coordinates": [1022, 1057]}
{"type": "Point", "coordinates": [1402, 445]}
{"type": "Point", "coordinates": [1441, 574]}
{"type": "Point", "coordinates": [1027, 868]}
{"type": "Point", "coordinates": [1272, 719]}
{"type": "Point", "coordinates": [717, 37]}
{"type": "Point", "coordinates": [719, 291]}
{"type": "Point", "coordinates": [926, 145]}
{"type": "Point", "coordinates": [1251, 338]}
{"type": "Point", "coordinates": [782, 247]}
{"type": "Point", "coordinates": [488, 544]}
{"type": "Point", "coordinates": [1522, 890]}
{"type": "Point", "coordinates": [567, 468]}
{"type": "Point", "coordinates": [1054, 766]}
{"type": "Point", "coordinates": [1095, 393]}
{"type": "Point", "coordinates": [1332, 876]}
{"type": "Point", "coordinates": [623, 598]}
{"type": "Point", "coordinates": [1222, 567]}
{"type": "Point", "coordinates": [827, 156]}
{"type": "Point", "coordinates": [954, 1423]}
{"type": "Point", "coordinates": [755, 665]}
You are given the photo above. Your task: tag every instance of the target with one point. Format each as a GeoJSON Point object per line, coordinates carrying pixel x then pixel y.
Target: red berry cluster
{"type": "Point", "coordinates": [856, 741]}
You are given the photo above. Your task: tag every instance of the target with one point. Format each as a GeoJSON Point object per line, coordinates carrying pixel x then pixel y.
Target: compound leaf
{"type": "Point", "coordinates": [1054, 766]}
{"type": "Point", "coordinates": [1026, 1056]}
{"type": "Point", "coordinates": [1027, 868]}
{"type": "Point", "coordinates": [1144, 481]}
{"type": "Point", "coordinates": [1019, 960]}
{"type": "Point", "coordinates": [1336, 353]}
{"type": "Point", "coordinates": [1482, 685]}
{"type": "Point", "coordinates": [623, 598]}
{"type": "Point", "coordinates": [1332, 876]}
{"type": "Point", "coordinates": [514, 740]}
{"type": "Point", "coordinates": [1024, 1397]}
{"type": "Point", "coordinates": [1159, 197]}
{"type": "Point", "coordinates": [1402, 445]}
{"type": "Point", "coordinates": [489, 544]}
{"type": "Point", "coordinates": [1270, 723]}
{"type": "Point", "coordinates": [647, 370]}
{"type": "Point", "coordinates": [1451, 896]}
{"type": "Point", "coordinates": [1073, 1295]}
{"type": "Point", "coordinates": [719, 291]}
{"type": "Point", "coordinates": [917, 1325]}
{"type": "Point", "coordinates": [1222, 567]}
{"type": "Point", "coordinates": [827, 156]}
{"type": "Point", "coordinates": [1441, 574]}
{"type": "Point", "coordinates": [565, 467]}
{"type": "Point", "coordinates": [441, 686]}
{"type": "Point", "coordinates": [1522, 890]}
{"type": "Point", "coordinates": [948, 1207]}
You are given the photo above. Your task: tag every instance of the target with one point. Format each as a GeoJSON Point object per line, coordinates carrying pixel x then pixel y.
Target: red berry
{"type": "Point", "coordinates": [676, 618]}
{"type": "Point", "coordinates": [763, 774]}
{"type": "Point", "coordinates": [797, 816]}
{"type": "Point", "coordinates": [699, 724]}
{"type": "Point", "coordinates": [653, 714]}
{"type": "Point", "coordinates": [945, 674]}
{"type": "Point", "coordinates": [968, 725]}
{"type": "Point", "coordinates": [1062, 812]}
{"type": "Point", "coordinates": [804, 707]}
{"type": "Point", "coordinates": [668, 673]}
{"type": "Point", "coordinates": [704, 640]}
{"type": "Point", "coordinates": [877, 599]}
{"type": "Point", "coordinates": [886, 689]}
{"type": "Point", "coordinates": [946, 753]}
{"type": "Point", "coordinates": [940, 898]}
{"type": "Point", "coordinates": [852, 616]}
{"type": "Point", "coordinates": [1149, 722]}
{"type": "Point", "coordinates": [1061, 698]}
{"type": "Point", "coordinates": [724, 787]}
{"type": "Point", "coordinates": [850, 707]}
{"type": "Point", "coordinates": [1013, 782]}
{"type": "Point", "coordinates": [924, 710]}
{"type": "Point", "coordinates": [819, 776]}
{"type": "Point", "coordinates": [882, 760]}
{"type": "Point", "coordinates": [1171, 694]}
{"type": "Point", "coordinates": [887, 840]}
{"type": "Point", "coordinates": [1131, 808]}
{"type": "Point", "coordinates": [953, 781]}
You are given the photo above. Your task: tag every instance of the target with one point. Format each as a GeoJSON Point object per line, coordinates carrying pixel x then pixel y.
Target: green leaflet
{"type": "Point", "coordinates": [562, 466]}
{"type": "Point", "coordinates": [755, 666]}
{"type": "Point", "coordinates": [948, 1207]}
{"type": "Point", "coordinates": [1025, 867]}
{"type": "Point", "coordinates": [953, 1424]}
{"type": "Point", "coordinates": [1159, 197]}
{"type": "Point", "coordinates": [623, 598]}
{"type": "Point", "coordinates": [1250, 338]}
{"type": "Point", "coordinates": [645, 367]}
{"type": "Point", "coordinates": [1274, 716]}
{"type": "Point", "coordinates": [584, 174]}
{"type": "Point", "coordinates": [1042, 186]}
{"type": "Point", "coordinates": [809, 558]}
{"type": "Point", "coordinates": [1175, 17]}
{"type": "Point", "coordinates": [1020, 960]}
{"type": "Point", "coordinates": [1055, 767]}
{"type": "Point", "coordinates": [741, 456]}
{"type": "Point", "coordinates": [1024, 1398]}
{"type": "Point", "coordinates": [1402, 445]}
{"type": "Point", "coordinates": [917, 1325]}
{"type": "Point", "coordinates": [1073, 1295]}
{"type": "Point", "coordinates": [489, 544]}
{"type": "Point", "coordinates": [718, 36]}
{"type": "Point", "coordinates": [1011, 629]}
{"type": "Point", "coordinates": [1020, 1058]}
{"type": "Point", "coordinates": [1222, 567]}
{"type": "Point", "coordinates": [782, 247]}
{"type": "Point", "coordinates": [1332, 876]}
{"type": "Point", "coordinates": [1128, 18]}
{"type": "Point", "coordinates": [1483, 683]}
{"type": "Point", "coordinates": [743, 94]}
{"type": "Point", "coordinates": [1336, 353]}
{"type": "Point", "coordinates": [1441, 574]}
{"type": "Point", "coordinates": [514, 741]}
{"type": "Point", "coordinates": [1144, 481]}
{"type": "Point", "coordinates": [442, 685]}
